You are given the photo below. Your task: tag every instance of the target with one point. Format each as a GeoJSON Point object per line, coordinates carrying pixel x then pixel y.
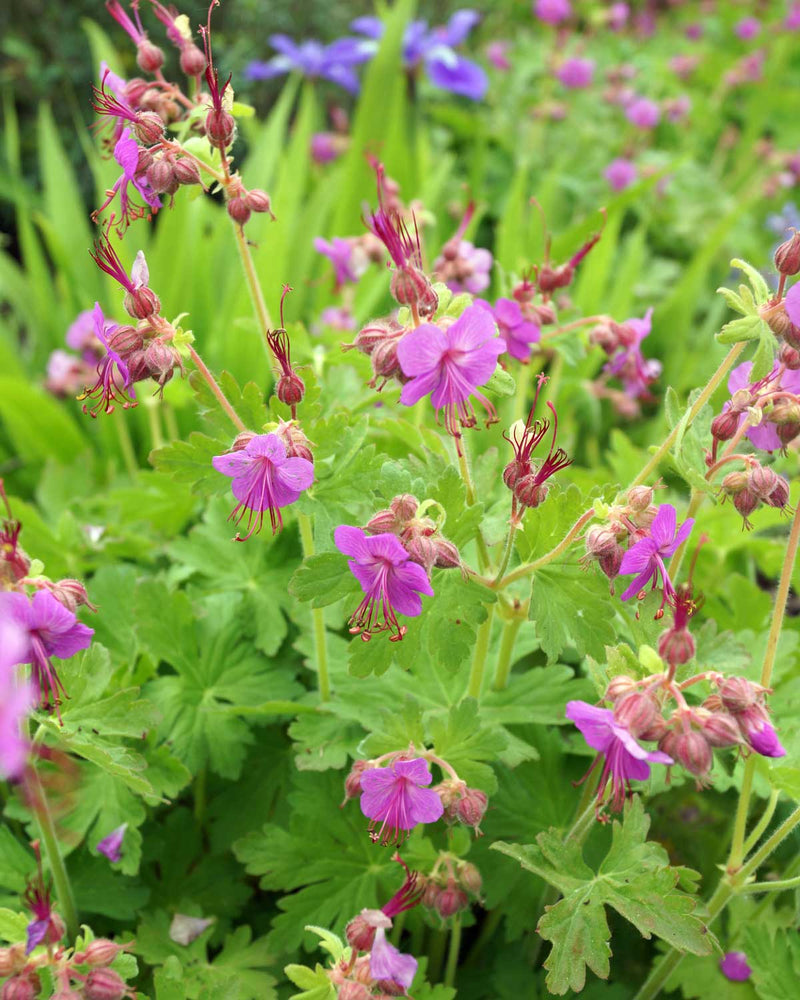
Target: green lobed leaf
{"type": "Point", "coordinates": [571, 609]}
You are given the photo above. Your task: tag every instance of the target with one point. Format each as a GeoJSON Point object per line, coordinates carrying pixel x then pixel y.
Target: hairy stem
{"type": "Point", "coordinates": [47, 830]}
{"type": "Point", "coordinates": [503, 670]}
{"type": "Point", "coordinates": [763, 823]}
{"type": "Point", "coordinates": [214, 386]}
{"type": "Point", "coordinates": [471, 496]}
{"type": "Point", "coordinates": [256, 295]}
{"type": "Point", "coordinates": [317, 616]}
{"type": "Point", "coordinates": [725, 366]}
{"type": "Point", "coordinates": [125, 443]}
{"type": "Point", "coordinates": [507, 550]}
{"type": "Point", "coordinates": [479, 656]}
{"type": "Point", "coordinates": [453, 951]}
{"type": "Point", "coordinates": [778, 886]}
{"type": "Point", "coordinates": [563, 545]}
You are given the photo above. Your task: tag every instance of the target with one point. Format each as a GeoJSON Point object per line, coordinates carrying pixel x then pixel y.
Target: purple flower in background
{"type": "Point", "coordinates": [111, 845]}
{"type": "Point", "coordinates": [552, 11]}
{"type": "Point", "coordinates": [338, 318]}
{"type": "Point", "coordinates": [763, 436]}
{"type": "Point", "coordinates": [792, 19]}
{"type": "Point", "coordinates": [348, 265]}
{"type": "Point", "coordinates": [46, 926]}
{"type": "Point", "coordinates": [575, 72]}
{"type": "Point", "coordinates": [646, 557]}
{"type": "Point", "coordinates": [629, 365]}
{"type": "Point", "coordinates": [391, 582]}
{"type": "Point", "coordinates": [333, 62]}
{"type": "Point", "coordinates": [748, 28]}
{"type": "Point", "coordinates": [733, 965]}
{"type": "Point", "coordinates": [435, 49]}
{"type": "Point", "coordinates": [621, 173]}
{"type": "Point", "coordinates": [497, 54]}
{"type": "Point", "coordinates": [643, 113]}
{"type": "Point", "coordinates": [519, 333]}
{"type": "Point", "coordinates": [388, 964]}
{"type": "Point", "coordinates": [781, 222]}
{"type": "Point", "coordinates": [450, 365]}
{"type": "Point", "coordinates": [17, 698]}
{"type": "Point", "coordinates": [48, 629]}
{"type": "Point", "coordinates": [677, 108]}
{"type": "Point", "coordinates": [81, 335]}
{"type": "Point", "coordinates": [264, 478]}
{"type": "Point", "coordinates": [113, 376]}
{"type": "Point", "coordinates": [624, 759]}
{"type": "Point", "coordinates": [328, 146]}
{"type": "Point", "coordinates": [759, 732]}
{"type": "Point", "coordinates": [397, 796]}
{"type": "Point", "coordinates": [618, 14]}
{"type": "Point", "coordinates": [467, 270]}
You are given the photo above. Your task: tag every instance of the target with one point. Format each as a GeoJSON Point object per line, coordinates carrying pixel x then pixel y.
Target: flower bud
{"type": "Point", "coordinates": [350, 990]}
{"type": "Point", "coordinates": [125, 340]}
{"type": "Point", "coordinates": [551, 278]}
{"type": "Point", "coordinates": [619, 686]}
{"type": "Point", "coordinates": [447, 555]}
{"type": "Point", "coordinates": [762, 480]}
{"type": "Point", "coordinates": [134, 91]}
{"type": "Point", "coordinates": [430, 895]}
{"type": "Point", "coordinates": [640, 497]}
{"type": "Point", "coordinates": [384, 522]}
{"type": "Point", "coordinates": [787, 256]}
{"type": "Point", "coordinates": [604, 336]}
{"type": "Point", "coordinates": [422, 550]}
{"type": "Point", "coordinates": [25, 987]}
{"type": "Point", "coordinates": [451, 900]}
{"type": "Point", "coordinates": [149, 57]}
{"type": "Point", "coordinates": [220, 127]}
{"type": "Point", "coordinates": [104, 984]}
{"type": "Point", "coordinates": [192, 61]}
{"type": "Point", "coordinates": [469, 877]}
{"type": "Point", "coordinates": [450, 792]}
{"type": "Point", "coordinates": [635, 711]}
{"type": "Point", "coordinates": [290, 389]}
{"type": "Point", "coordinates": [101, 951]}
{"type": "Point", "coordinates": [360, 933]}
{"type": "Point", "coordinates": [725, 425]}
{"type": "Point", "coordinates": [738, 693]}
{"type": "Point", "coordinates": [160, 359]}
{"type": "Point", "coordinates": [352, 783]}
{"type": "Point", "coordinates": [778, 321]}
{"type": "Point", "coordinates": [238, 210]}
{"type": "Point", "coordinates": [512, 473]}
{"type": "Point", "coordinates": [691, 750]}
{"type": "Point", "coordinates": [757, 730]}
{"type": "Point", "coordinates": [611, 563]}
{"type": "Point", "coordinates": [667, 743]}
{"type": "Point", "coordinates": [409, 286]}
{"type": "Point", "coordinates": [719, 728]}
{"type": "Point", "coordinates": [71, 594]}
{"type": "Point", "coordinates": [294, 440]}
{"type": "Point", "coordinates": [137, 366]}
{"type": "Point", "coordinates": [161, 176]}
{"type": "Point", "coordinates": [148, 127]}
{"type": "Point", "coordinates": [789, 354]}
{"type": "Point", "coordinates": [186, 171]}
{"type": "Point", "coordinates": [259, 201]}
{"type": "Point", "coordinates": [746, 502]}
{"type": "Point", "coordinates": [368, 338]}
{"type": "Point", "coordinates": [655, 730]}
{"type": "Point", "coordinates": [471, 808]}
{"type": "Point", "coordinates": [385, 363]}
{"type": "Point", "coordinates": [529, 492]}
{"type": "Point", "coordinates": [12, 959]}
{"type": "Point", "coordinates": [543, 314]}
{"type": "Point", "coordinates": [676, 646]}
{"type": "Point", "coordinates": [142, 303]}
{"type": "Point", "coordinates": [779, 497]}
{"type": "Point", "coordinates": [600, 541]}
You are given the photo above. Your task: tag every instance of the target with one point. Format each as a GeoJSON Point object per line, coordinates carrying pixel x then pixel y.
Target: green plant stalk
{"type": "Point", "coordinates": [479, 656]}
{"type": "Point", "coordinates": [778, 886]}
{"type": "Point", "coordinates": [437, 942]}
{"type": "Point", "coordinates": [725, 366]}
{"type": "Point", "coordinates": [47, 830]}
{"type": "Point", "coordinates": [763, 823]}
{"type": "Point", "coordinates": [507, 550]}
{"type": "Point", "coordinates": [471, 497]}
{"type": "Point", "coordinates": [201, 366]}
{"type": "Point", "coordinates": [778, 611]}
{"type": "Point", "coordinates": [125, 444]}
{"type": "Point", "coordinates": [317, 616]}
{"type": "Point", "coordinates": [199, 790]}
{"type": "Point", "coordinates": [563, 545]}
{"type": "Point", "coordinates": [156, 435]}
{"type": "Point", "coordinates": [503, 670]}
{"type": "Point", "coordinates": [453, 951]}
{"type": "Point", "coordinates": [256, 295]}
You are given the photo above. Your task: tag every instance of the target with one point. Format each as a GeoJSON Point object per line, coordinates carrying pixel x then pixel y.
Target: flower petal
{"type": "Point", "coordinates": [593, 722]}
{"type": "Point", "coordinates": [420, 351]}
{"type": "Point", "coordinates": [387, 963]}
{"type": "Point", "coordinates": [351, 542]}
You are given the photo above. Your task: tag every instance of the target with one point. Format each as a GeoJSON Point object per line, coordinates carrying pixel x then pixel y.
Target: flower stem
{"type": "Point", "coordinates": [479, 656]}
{"type": "Point", "coordinates": [575, 325]}
{"type": "Point", "coordinates": [778, 886]}
{"type": "Point", "coordinates": [763, 823]}
{"type": "Point", "coordinates": [509, 548]}
{"type": "Point", "coordinates": [501, 675]}
{"type": "Point", "coordinates": [61, 882]}
{"type": "Point", "coordinates": [214, 386]}
{"type": "Point", "coordinates": [563, 545]}
{"type": "Point", "coordinates": [471, 497]}
{"type": "Point", "coordinates": [256, 295]}
{"type": "Point", "coordinates": [454, 949]}
{"type": "Point", "coordinates": [725, 366]}
{"type": "Point", "coordinates": [778, 611]}
{"type": "Point", "coordinates": [125, 443]}
{"type": "Point", "coordinates": [317, 616]}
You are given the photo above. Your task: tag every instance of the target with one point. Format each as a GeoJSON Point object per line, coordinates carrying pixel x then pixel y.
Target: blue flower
{"type": "Point", "coordinates": [332, 62]}
{"type": "Point", "coordinates": [435, 49]}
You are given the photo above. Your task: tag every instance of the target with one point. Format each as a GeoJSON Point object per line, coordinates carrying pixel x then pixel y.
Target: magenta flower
{"type": "Point", "coordinates": [519, 333]}
{"type": "Point", "coordinates": [733, 965]}
{"type": "Point", "coordinates": [646, 557]}
{"type": "Point", "coordinates": [643, 113]}
{"type": "Point", "coordinates": [621, 173]}
{"type": "Point", "coordinates": [576, 73]}
{"type": "Point", "coordinates": [792, 304]}
{"type": "Point", "coordinates": [624, 759]}
{"type": "Point", "coordinates": [46, 927]}
{"type": "Point", "coordinates": [48, 629]}
{"type": "Point", "coordinates": [113, 383]}
{"type": "Point", "coordinates": [450, 365]}
{"type": "Point", "coordinates": [792, 20]}
{"type": "Point", "coordinates": [390, 580]}
{"type": "Point", "coordinates": [764, 435]}
{"type": "Point", "coordinates": [635, 371]}
{"type": "Point", "coordinates": [388, 964]}
{"type": "Point", "coordinates": [17, 698]}
{"type": "Point", "coordinates": [759, 732]}
{"type": "Point", "coordinates": [264, 478]}
{"type": "Point", "coordinates": [111, 845]}
{"type": "Point", "coordinates": [552, 11]}
{"type": "Point", "coordinates": [497, 54]}
{"type": "Point", "coordinates": [747, 28]}
{"type": "Point", "coordinates": [126, 153]}
{"type": "Point", "coordinates": [475, 267]}
{"type": "Point", "coordinates": [347, 266]}
{"type": "Point", "coordinates": [397, 797]}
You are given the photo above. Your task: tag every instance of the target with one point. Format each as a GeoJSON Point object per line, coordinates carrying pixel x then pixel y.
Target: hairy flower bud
{"type": "Point", "coordinates": [149, 57]}
{"type": "Point", "coordinates": [551, 278]}
{"type": "Point", "coordinates": [422, 549]}
{"type": "Point", "coordinates": [789, 354]}
{"type": "Point", "coordinates": [636, 711]}
{"type": "Point", "coordinates": [161, 175]}
{"type": "Point", "coordinates": [220, 127]}
{"type": "Point", "coordinates": [294, 440]}
{"type": "Point", "coordinates": [411, 287]}
{"type": "Point", "coordinates": [604, 336]}
{"type": "Point", "coordinates": [447, 554]}
{"type": "Point", "coordinates": [469, 877]}
{"type": "Point", "coordinates": [259, 201]}
{"type": "Point", "coordinates": [104, 984]}
{"type": "Point", "coordinates": [385, 363]}
{"type": "Point", "coordinates": [787, 256]}
{"type": "Point", "coordinates": [611, 563]}
{"type": "Point", "coordinates": [360, 933]}
{"type": "Point", "coordinates": [238, 210]}
{"type": "Point", "coordinates": [692, 751]}
{"type": "Point", "coordinates": [529, 492]}
{"type": "Point", "coordinates": [600, 541]}
{"type": "Point", "coordinates": [676, 646]}
{"type": "Point", "coordinates": [779, 497]}
{"type": "Point", "coordinates": [471, 808]}
{"type": "Point", "coordinates": [192, 61]}
{"type": "Point", "coordinates": [778, 321]}
{"type": "Point", "coordinates": [186, 171]}
{"type": "Point", "coordinates": [71, 594]}
{"type": "Point", "coordinates": [762, 480]}
{"type": "Point", "coordinates": [430, 895]}
{"type": "Point", "coordinates": [352, 783]}
{"type": "Point", "coordinates": [619, 686]}
{"type": "Point", "coordinates": [125, 340]}
{"type": "Point", "coordinates": [101, 951]}
{"type": "Point", "coordinates": [142, 303]}
{"type": "Point", "coordinates": [160, 359]}
{"type": "Point", "coordinates": [12, 959]}
{"type": "Point", "coordinates": [640, 498]}
{"type": "Point", "coordinates": [451, 900]}
{"type": "Point", "coordinates": [25, 987]}
{"type": "Point", "coordinates": [746, 502]}
{"type": "Point", "coordinates": [738, 694]}
{"type": "Point", "coordinates": [350, 990]}
{"type": "Point", "coordinates": [148, 127]}
{"type": "Point", "coordinates": [725, 425]}
{"type": "Point", "coordinates": [290, 389]}
{"type": "Point", "coordinates": [719, 728]}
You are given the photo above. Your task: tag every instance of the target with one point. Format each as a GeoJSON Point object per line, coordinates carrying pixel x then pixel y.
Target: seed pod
{"type": "Point", "coordinates": [238, 210]}
{"type": "Point", "coordinates": [290, 389]}
{"type": "Point", "coordinates": [148, 127]}
{"type": "Point", "coordinates": [471, 808]}
{"type": "Point", "coordinates": [787, 256]}
{"type": "Point", "coordinates": [529, 492]}
{"type": "Point", "coordinates": [746, 502]}
{"type": "Point", "coordinates": [104, 984]}
{"type": "Point", "coordinates": [611, 563]}
{"type": "Point", "coordinates": [220, 127]}
{"type": "Point", "coordinates": [640, 497]}
{"type": "Point", "coordinates": [600, 541]}
{"type": "Point", "coordinates": [186, 171]}
{"type": "Point", "coordinates": [149, 57]}
{"type": "Point", "coordinates": [192, 61]}
{"type": "Point", "coordinates": [101, 951]}
{"type": "Point", "coordinates": [738, 694]}
{"type": "Point", "coordinates": [125, 340]}
{"type": "Point", "coordinates": [447, 555]}
{"type": "Point", "coordinates": [725, 425]}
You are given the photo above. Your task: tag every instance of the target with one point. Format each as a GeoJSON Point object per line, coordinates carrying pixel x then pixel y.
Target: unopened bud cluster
{"type": "Point", "coordinates": [448, 888]}
{"type": "Point", "coordinates": [754, 486]}
{"type": "Point", "coordinates": [82, 975]}
{"type": "Point", "coordinates": [625, 524]}
{"type": "Point", "coordinates": [420, 535]}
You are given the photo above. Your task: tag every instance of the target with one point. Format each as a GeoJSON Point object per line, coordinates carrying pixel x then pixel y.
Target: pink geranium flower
{"type": "Point", "coordinates": [575, 72]}
{"type": "Point", "coordinates": [450, 365]}
{"type": "Point", "coordinates": [734, 966]}
{"type": "Point", "coordinates": [390, 580]}
{"type": "Point", "coordinates": [48, 629]}
{"type": "Point", "coordinates": [111, 845]}
{"type": "Point", "coordinates": [643, 113]}
{"type": "Point", "coordinates": [519, 333]}
{"type": "Point", "coordinates": [764, 435]}
{"type": "Point", "coordinates": [646, 557]}
{"type": "Point", "coordinates": [264, 479]}
{"type": "Point", "coordinates": [624, 759]}
{"type": "Point", "coordinates": [552, 11]}
{"type": "Point", "coordinates": [620, 173]}
{"type": "Point", "coordinates": [17, 698]}
{"type": "Point", "coordinates": [397, 798]}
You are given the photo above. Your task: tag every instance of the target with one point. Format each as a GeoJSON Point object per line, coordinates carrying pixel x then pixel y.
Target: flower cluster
{"type": "Point", "coordinates": [461, 265]}
{"type": "Point", "coordinates": [622, 342]}
{"type": "Point", "coordinates": [449, 885]}
{"type": "Point", "coordinates": [766, 411]}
